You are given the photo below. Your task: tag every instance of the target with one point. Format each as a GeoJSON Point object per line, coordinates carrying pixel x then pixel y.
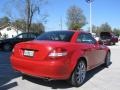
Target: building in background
{"type": "Point", "coordinates": [9, 32]}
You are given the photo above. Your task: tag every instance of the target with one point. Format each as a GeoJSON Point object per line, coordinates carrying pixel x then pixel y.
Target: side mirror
{"type": "Point", "coordinates": [97, 42]}
{"type": "Point", "coordinates": [100, 43]}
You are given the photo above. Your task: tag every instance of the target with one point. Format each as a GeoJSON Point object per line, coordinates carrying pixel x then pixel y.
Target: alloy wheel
{"type": "Point", "coordinates": [79, 74]}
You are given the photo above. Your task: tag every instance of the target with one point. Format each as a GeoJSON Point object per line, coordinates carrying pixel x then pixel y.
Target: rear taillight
{"type": "Point", "coordinates": [58, 52]}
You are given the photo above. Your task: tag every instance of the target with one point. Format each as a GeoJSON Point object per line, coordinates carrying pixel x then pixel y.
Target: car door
{"type": "Point", "coordinates": [101, 53]}
{"type": "Point", "coordinates": [91, 49]}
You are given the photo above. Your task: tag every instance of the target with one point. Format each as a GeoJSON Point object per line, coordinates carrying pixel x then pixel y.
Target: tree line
{"type": "Point", "coordinates": [105, 27]}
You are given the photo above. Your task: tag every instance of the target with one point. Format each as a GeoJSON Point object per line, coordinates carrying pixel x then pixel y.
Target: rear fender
{"type": "Point", "coordinates": [74, 59]}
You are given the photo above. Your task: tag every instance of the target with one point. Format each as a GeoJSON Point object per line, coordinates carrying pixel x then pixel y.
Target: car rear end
{"type": "Point", "coordinates": [105, 38]}
{"type": "Point", "coordinates": [44, 59]}
{"type": "Point", "coordinates": [108, 38]}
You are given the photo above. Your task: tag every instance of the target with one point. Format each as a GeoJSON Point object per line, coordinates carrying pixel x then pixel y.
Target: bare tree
{"type": "Point", "coordinates": [26, 10]}
{"type": "Point", "coordinates": [75, 18]}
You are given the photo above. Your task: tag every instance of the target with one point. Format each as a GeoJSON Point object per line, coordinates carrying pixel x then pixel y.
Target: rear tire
{"type": "Point", "coordinates": [111, 43]}
{"type": "Point", "coordinates": [114, 43]}
{"type": "Point", "coordinates": [24, 76]}
{"type": "Point", "coordinates": [78, 76]}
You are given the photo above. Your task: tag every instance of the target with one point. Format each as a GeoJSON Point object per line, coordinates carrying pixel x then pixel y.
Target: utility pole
{"type": "Point", "coordinates": [90, 21]}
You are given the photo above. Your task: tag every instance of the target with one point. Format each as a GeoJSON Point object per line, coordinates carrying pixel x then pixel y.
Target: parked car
{"type": "Point", "coordinates": [60, 55]}
{"type": "Point", "coordinates": [108, 38]}
{"type": "Point", "coordinates": [8, 44]}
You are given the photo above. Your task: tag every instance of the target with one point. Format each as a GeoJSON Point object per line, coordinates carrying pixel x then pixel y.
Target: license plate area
{"type": "Point", "coordinates": [28, 53]}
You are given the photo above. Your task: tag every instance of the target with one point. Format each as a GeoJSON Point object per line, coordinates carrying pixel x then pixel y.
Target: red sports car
{"type": "Point", "coordinates": [60, 55]}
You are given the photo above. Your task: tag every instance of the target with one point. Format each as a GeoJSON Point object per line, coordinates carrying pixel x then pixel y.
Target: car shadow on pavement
{"type": "Point", "coordinates": [94, 71]}
{"type": "Point", "coordinates": [61, 84]}
{"type": "Point", "coordinates": [6, 72]}
{"type": "Point", "coordinates": [54, 84]}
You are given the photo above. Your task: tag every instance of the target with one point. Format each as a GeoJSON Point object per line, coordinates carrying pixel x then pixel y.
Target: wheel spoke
{"type": "Point", "coordinates": [81, 72]}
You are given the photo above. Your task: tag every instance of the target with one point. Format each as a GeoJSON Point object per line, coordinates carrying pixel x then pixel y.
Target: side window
{"type": "Point", "coordinates": [86, 38]}
{"type": "Point", "coordinates": [29, 35]}
{"type": "Point", "coordinates": [80, 37]}
{"type": "Point", "coordinates": [23, 36]}
{"type": "Point", "coordinates": [20, 36]}
{"type": "Point", "coordinates": [32, 36]}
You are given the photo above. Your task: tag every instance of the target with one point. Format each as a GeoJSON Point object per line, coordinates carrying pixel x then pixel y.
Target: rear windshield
{"type": "Point", "coordinates": [56, 36]}
{"type": "Point", "coordinates": [105, 35]}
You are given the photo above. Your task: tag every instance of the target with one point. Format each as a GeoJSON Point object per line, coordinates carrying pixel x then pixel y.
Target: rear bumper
{"type": "Point", "coordinates": [105, 42]}
{"type": "Point", "coordinates": [51, 69]}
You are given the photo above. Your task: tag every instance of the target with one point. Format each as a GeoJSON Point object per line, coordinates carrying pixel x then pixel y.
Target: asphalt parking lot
{"type": "Point", "coordinates": [98, 79]}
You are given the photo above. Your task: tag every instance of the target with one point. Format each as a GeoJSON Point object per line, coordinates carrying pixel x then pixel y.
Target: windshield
{"type": "Point", "coordinates": [56, 36]}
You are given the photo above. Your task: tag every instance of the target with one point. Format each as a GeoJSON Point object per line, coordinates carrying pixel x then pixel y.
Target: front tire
{"type": "Point", "coordinates": [107, 59]}
{"type": "Point", "coordinates": [79, 74]}
{"type": "Point", "coordinates": [7, 47]}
